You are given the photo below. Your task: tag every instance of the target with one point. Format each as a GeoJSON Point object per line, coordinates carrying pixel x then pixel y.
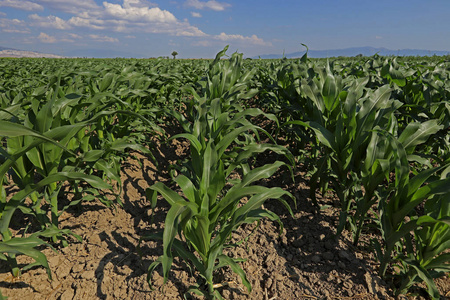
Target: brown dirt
{"type": "Point", "coordinates": [305, 262]}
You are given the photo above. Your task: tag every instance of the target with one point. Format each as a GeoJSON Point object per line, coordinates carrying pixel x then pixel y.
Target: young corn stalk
{"type": "Point", "coordinates": [41, 155]}
{"type": "Point", "coordinates": [342, 118]}
{"type": "Point", "coordinates": [415, 242]}
{"type": "Point", "coordinates": [207, 212]}
{"type": "Point", "coordinates": [13, 246]}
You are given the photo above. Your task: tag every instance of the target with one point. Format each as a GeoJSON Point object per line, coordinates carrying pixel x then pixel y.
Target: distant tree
{"type": "Point", "coordinates": [359, 55]}
{"type": "Point", "coordinates": [174, 54]}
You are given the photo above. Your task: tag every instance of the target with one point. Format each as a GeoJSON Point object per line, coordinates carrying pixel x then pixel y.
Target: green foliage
{"type": "Point", "coordinates": [372, 130]}
{"type": "Point", "coordinates": [53, 137]}
{"type": "Point", "coordinates": [368, 121]}
{"type": "Point", "coordinates": [211, 206]}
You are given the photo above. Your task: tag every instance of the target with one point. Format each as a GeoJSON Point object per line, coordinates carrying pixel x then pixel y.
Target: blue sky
{"type": "Point", "coordinates": [199, 29]}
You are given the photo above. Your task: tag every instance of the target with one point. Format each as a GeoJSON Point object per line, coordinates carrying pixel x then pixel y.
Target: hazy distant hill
{"type": "Point", "coordinates": [5, 48]}
{"type": "Point", "coordinates": [110, 53]}
{"type": "Point", "coordinates": [366, 51]}
{"type": "Point", "coordinates": [9, 52]}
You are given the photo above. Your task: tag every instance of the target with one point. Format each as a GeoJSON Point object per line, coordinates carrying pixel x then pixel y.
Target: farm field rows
{"type": "Point", "coordinates": [225, 178]}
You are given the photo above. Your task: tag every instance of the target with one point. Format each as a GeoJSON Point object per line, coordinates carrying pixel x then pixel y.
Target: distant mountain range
{"type": "Point", "coordinates": [98, 53]}
{"type": "Point", "coordinates": [10, 52]}
{"type": "Point", "coordinates": [366, 51]}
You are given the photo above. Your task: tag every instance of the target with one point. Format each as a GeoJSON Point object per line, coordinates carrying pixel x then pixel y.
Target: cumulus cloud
{"type": "Point", "coordinates": [45, 38]}
{"type": "Point", "coordinates": [87, 22]}
{"type": "Point", "coordinates": [184, 29]}
{"type": "Point", "coordinates": [237, 37]}
{"type": "Point", "coordinates": [49, 21]}
{"type": "Point", "coordinates": [212, 5]}
{"type": "Point", "coordinates": [138, 3]}
{"type": "Point", "coordinates": [69, 38]}
{"type": "Point", "coordinates": [13, 26]}
{"type": "Point", "coordinates": [15, 22]}
{"type": "Point", "coordinates": [75, 36]}
{"type": "Point", "coordinates": [137, 13]}
{"type": "Point", "coordinates": [66, 40]}
{"type": "Point", "coordinates": [103, 38]}
{"type": "Point", "coordinates": [125, 16]}
{"type": "Point", "coordinates": [69, 6]}
{"type": "Point", "coordinates": [15, 31]}
{"type": "Point", "coordinates": [131, 16]}
{"type": "Point", "coordinates": [22, 5]}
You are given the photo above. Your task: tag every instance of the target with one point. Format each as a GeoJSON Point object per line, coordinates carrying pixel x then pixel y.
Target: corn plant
{"type": "Point", "coordinates": [342, 119]}
{"type": "Point", "coordinates": [415, 242]}
{"type": "Point", "coordinates": [48, 149]}
{"type": "Point", "coordinates": [210, 207]}
{"type": "Point", "coordinates": [207, 214]}
{"type": "Point", "coordinates": [28, 189]}
{"type": "Point", "coordinates": [379, 162]}
{"type": "Point", "coordinates": [374, 129]}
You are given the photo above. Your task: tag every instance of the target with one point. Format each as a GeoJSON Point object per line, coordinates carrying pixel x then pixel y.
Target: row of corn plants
{"type": "Point", "coordinates": [210, 207]}
{"type": "Point", "coordinates": [373, 130]}
{"type": "Point", "coordinates": [56, 146]}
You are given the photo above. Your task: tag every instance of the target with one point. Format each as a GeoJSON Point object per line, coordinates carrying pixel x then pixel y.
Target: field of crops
{"type": "Point", "coordinates": [225, 178]}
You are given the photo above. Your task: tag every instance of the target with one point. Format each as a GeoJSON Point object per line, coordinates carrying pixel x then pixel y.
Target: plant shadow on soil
{"type": "Point", "coordinates": [137, 176]}
{"type": "Point", "coordinates": [307, 261]}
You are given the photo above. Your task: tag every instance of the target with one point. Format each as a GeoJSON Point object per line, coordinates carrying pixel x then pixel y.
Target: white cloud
{"type": "Point", "coordinates": [237, 37]}
{"type": "Point", "coordinates": [130, 37]}
{"type": "Point", "coordinates": [66, 40]}
{"type": "Point", "coordinates": [136, 13]}
{"type": "Point", "coordinates": [212, 5]}
{"type": "Point", "coordinates": [15, 22]}
{"type": "Point", "coordinates": [125, 16]}
{"type": "Point", "coordinates": [21, 4]}
{"type": "Point", "coordinates": [49, 22]}
{"type": "Point", "coordinates": [87, 22]}
{"type": "Point", "coordinates": [103, 38]}
{"type": "Point", "coordinates": [70, 38]}
{"type": "Point", "coordinates": [184, 29]}
{"type": "Point", "coordinates": [70, 6]}
{"type": "Point", "coordinates": [2, 14]}
{"type": "Point", "coordinates": [75, 36]}
{"type": "Point", "coordinates": [134, 16]}
{"type": "Point", "coordinates": [13, 26]}
{"type": "Point", "coordinates": [45, 38]}
{"type": "Point", "coordinates": [138, 3]}
{"type": "Point", "coordinates": [15, 31]}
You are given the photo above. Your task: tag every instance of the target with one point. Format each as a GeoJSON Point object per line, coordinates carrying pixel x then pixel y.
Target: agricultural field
{"type": "Point", "coordinates": [229, 178]}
